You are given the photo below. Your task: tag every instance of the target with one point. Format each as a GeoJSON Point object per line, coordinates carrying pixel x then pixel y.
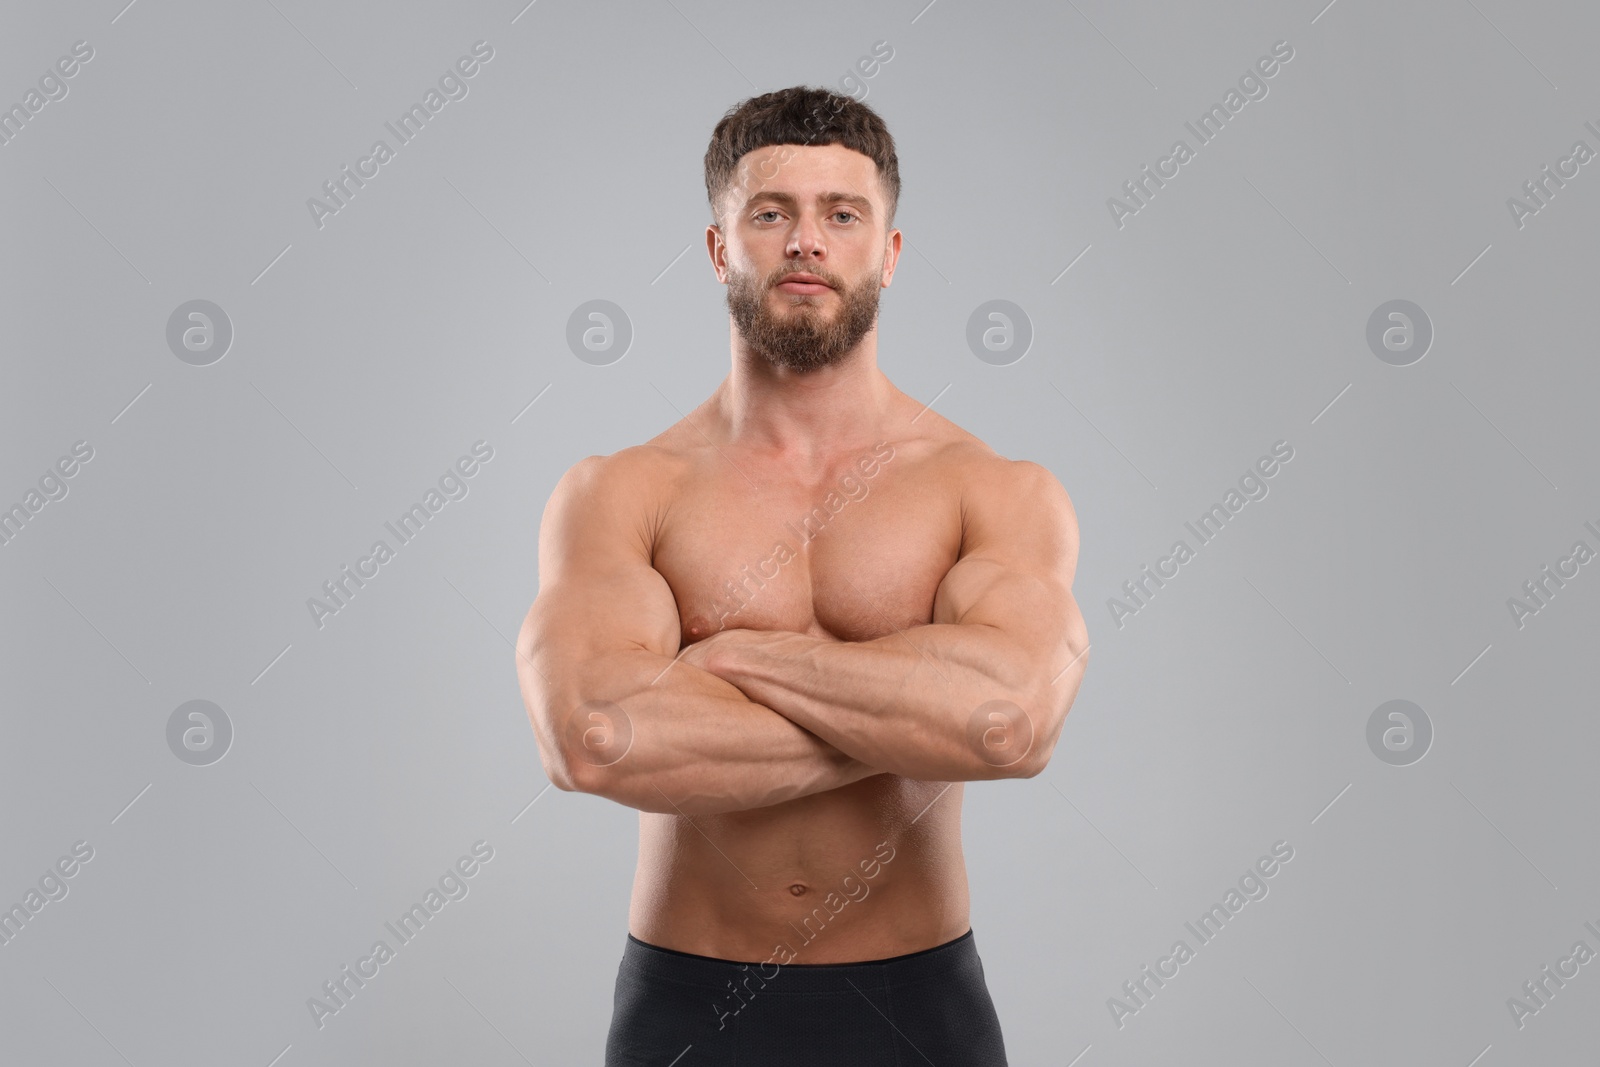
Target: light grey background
{"type": "Point", "coordinates": [368, 355]}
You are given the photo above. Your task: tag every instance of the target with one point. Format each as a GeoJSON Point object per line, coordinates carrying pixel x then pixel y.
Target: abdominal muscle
{"type": "Point", "coordinates": [834, 877]}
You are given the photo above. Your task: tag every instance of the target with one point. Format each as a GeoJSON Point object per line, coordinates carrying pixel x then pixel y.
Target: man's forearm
{"type": "Point", "coordinates": [671, 738]}
{"type": "Point", "coordinates": [941, 702]}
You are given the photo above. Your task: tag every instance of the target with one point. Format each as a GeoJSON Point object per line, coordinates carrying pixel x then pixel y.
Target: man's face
{"type": "Point", "coordinates": [804, 209]}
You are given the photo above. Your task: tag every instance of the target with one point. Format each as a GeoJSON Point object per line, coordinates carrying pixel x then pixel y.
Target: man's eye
{"type": "Point", "coordinates": [846, 214]}
{"type": "Point", "coordinates": [766, 213]}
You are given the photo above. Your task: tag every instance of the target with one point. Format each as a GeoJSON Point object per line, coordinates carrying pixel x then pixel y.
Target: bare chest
{"type": "Point", "coordinates": [858, 553]}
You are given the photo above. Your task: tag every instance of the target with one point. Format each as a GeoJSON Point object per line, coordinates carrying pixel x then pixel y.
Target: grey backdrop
{"type": "Point", "coordinates": [1229, 312]}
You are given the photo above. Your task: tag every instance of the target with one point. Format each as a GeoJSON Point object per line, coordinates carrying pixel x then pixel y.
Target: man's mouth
{"type": "Point", "coordinates": [803, 284]}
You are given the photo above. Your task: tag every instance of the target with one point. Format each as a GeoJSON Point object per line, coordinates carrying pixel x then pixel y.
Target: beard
{"type": "Point", "coordinates": [801, 337]}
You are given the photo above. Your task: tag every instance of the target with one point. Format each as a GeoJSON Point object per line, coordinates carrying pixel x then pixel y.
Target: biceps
{"type": "Point", "coordinates": [969, 584]}
{"type": "Point", "coordinates": [1035, 613]}
{"type": "Point", "coordinates": [585, 617]}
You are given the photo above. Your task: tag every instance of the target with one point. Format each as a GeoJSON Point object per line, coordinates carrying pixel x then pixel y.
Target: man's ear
{"type": "Point", "coordinates": [891, 256]}
{"type": "Point", "coordinates": [714, 237]}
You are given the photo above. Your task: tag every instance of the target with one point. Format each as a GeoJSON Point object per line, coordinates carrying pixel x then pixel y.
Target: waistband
{"type": "Point", "coordinates": [953, 958]}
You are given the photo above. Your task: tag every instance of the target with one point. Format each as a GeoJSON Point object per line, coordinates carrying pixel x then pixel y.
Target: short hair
{"type": "Point", "coordinates": [799, 115]}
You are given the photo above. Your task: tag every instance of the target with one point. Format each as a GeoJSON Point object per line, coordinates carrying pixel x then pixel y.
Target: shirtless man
{"type": "Point", "coordinates": [787, 629]}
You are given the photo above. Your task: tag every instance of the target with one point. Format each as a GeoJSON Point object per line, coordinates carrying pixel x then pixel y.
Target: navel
{"type": "Point", "coordinates": [798, 889]}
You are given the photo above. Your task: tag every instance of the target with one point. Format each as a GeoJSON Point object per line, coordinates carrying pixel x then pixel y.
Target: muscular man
{"type": "Point", "coordinates": [787, 629]}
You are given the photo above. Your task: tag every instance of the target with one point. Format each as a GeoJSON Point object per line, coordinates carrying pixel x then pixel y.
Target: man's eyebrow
{"type": "Point", "coordinates": [788, 199]}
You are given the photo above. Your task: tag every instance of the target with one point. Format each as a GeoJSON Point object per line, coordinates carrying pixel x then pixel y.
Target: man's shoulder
{"type": "Point", "coordinates": [975, 463]}
{"type": "Point", "coordinates": [642, 461]}
{"type": "Point", "coordinates": [993, 485]}
{"type": "Point", "coordinates": [634, 473]}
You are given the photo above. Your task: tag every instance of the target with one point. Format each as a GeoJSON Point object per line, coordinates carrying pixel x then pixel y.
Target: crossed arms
{"type": "Point", "coordinates": [748, 718]}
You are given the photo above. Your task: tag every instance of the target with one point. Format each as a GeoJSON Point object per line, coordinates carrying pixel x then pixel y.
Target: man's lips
{"type": "Point", "coordinates": [804, 284]}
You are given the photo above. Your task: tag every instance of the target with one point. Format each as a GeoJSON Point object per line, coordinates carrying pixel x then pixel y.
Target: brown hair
{"type": "Point", "coordinates": [804, 116]}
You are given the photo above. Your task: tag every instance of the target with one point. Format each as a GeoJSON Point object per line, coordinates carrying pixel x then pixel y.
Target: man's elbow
{"type": "Point", "coordinates": [559, 756]}
{"type": "Point", "coordinates": [562, 774]}
{"type": "Point", "coordinates": [583, 750]}
{"type": "Point", "coordinates": [577, 767]}
{"type": "Point", "coordinates": [1036, 732]}
{"type": "Point", "coordinates": [1034, 763]}
{"type": "Point", "coordinates": [577, 775]}
{"type": "Point", "coordinates": [1049, 702]}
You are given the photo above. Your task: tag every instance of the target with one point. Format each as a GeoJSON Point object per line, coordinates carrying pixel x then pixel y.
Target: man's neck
{"type": "Point", "coordinates": [805, 414]}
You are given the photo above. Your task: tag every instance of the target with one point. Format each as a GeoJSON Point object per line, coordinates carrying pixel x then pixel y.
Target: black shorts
{"type": "Point", "coordinates": [676, 1009]}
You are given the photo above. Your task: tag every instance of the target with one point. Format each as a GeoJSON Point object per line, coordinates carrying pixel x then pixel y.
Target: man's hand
{"type": "Point", "coordinates": [710, 654]}
{"type": "Point", "coordinates": [725, 653]}
{"type": "Point", "coordinates": [979, 692]}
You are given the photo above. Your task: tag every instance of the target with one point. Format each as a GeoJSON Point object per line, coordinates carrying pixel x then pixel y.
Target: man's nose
{"type": "Point", "coordinates": [806, 240]}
